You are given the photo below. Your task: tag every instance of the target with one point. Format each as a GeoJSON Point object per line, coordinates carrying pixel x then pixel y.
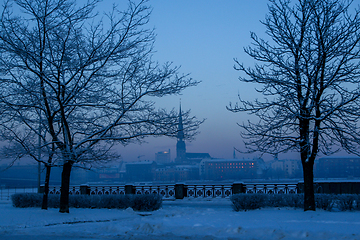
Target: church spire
{"type": "Point", "coordinates": [180, 145]}
{"type": "Point", "coordinates": [180, 134]}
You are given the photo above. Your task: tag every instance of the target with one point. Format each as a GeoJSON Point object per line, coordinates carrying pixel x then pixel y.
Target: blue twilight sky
{"type": "Point", "coordinates": [204, 36]}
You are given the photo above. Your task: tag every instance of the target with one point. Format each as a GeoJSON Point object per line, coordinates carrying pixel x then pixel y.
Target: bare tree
{"type": "Point", "coordinates": [91, 77]}
{"type": "Point", "coordinates": [309, 71]}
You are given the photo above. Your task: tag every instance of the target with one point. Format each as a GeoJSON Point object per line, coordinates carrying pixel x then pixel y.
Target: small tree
{"type": "Point", "coordinates": [310, 75]}
{"type": "Point", "coordinates": [90, 77]}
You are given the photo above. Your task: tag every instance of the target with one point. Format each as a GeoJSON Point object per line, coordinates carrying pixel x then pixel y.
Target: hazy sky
{"type": "Point", "coordinates": [204, 36]}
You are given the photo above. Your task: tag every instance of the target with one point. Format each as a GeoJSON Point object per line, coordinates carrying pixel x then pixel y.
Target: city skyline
{"type": "Point", "coordinates": [203, 38]}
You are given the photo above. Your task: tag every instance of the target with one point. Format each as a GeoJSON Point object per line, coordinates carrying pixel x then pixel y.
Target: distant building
{"type": "Point", "coordinates": [286, 168]}
{"type": "Point", "coordinates": [277, 170]}
{"type": "Point", "coordinates": [229, 169]}
{"type": "Point", "coordinates": [187, 172]}
{"type": "Point", "coordinates": [163, 157]}
{"type": "Point", "coordinates": [292, 168]}
{"type": "Point", "coordinates": [109, 173]}
{"type": "Point", "coordinates": [196, 158]}
{"type": "Point", "coordinates": [140, 171]}
{"type": "Point", "coordinates": [177, 173]}
{"type": "Point", "coordinates": [337, 167]}
{"type": "Point", "coordinates": [164, 174]}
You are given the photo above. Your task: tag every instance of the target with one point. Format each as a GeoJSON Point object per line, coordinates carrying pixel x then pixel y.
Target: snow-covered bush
{"type": "Point", "coordinates": [124, 202]}
{"type": "Point", "coordinates": [53, 200]}
{"type": "Point", "coordinates": [25, 200]}
{"type": "Point", "coordinates": [277, 200]}
{"type": "Point", "coordinates": [137, 202]}
{"type": "Point", "coordinates": [100, 201]}
{"type": "Point", "coordinates": [294, 200]}
{"type": "Point", "coordinates": [325, 201]}
{"type": "Point", "coordinates": [81, 201]}
{"type": "Point", "coordinates": [254, 201]}
{"type": "Point", "coordinates": [346, 202]}
{"type": "Point", "coordinates": [245, 201]}
{"type": "Point", "coordinates": [110, 201]}
{"type": "Point", "coordinates": [146, 202]}
{"type": "Point", "coordinates": [357, 202]}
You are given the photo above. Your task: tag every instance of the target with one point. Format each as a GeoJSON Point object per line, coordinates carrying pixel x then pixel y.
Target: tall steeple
{"type": "Point", "coordinates": [180, 134]}
{"type": "Point", "coordinates": [180, 145]}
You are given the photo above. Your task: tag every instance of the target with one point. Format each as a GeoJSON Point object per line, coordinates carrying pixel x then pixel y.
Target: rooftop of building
{"type": "Point", "coordinates": [230, 160]}
{"type": "Point", "coordinates": [140, 162]}
{"type": "Point", "coordinates": [197, 155]}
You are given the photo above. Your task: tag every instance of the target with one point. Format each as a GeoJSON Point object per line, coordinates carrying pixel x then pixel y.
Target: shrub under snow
{"type": "Point", "coordinates": [248, 201]}
{"type": "Point", "coordinates": [347, 202]}
{"type": "Point", "coordinates": [327, 202]}
{"type": "Point", "coordinates": [24, 200]}
{"type": "Point", "coordinates": [137, 202]}
{"type": "Point", "coordinates": [146, 202]}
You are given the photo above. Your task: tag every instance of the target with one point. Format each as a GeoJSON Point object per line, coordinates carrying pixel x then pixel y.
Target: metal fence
{"type": "Point", "coordinates": [272, 188]}
{"type": "Point", "coordinates": [197, 190]}
{"type": "Point", "coordinates": [209, 191]}
{"type": "Point", "coordinates": [179, 191]}
{"type": "Point", "coordinates": [5, 193]}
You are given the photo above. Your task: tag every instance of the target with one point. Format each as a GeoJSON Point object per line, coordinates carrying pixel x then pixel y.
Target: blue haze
{"type": "Point", "coordinates": [204, 37]}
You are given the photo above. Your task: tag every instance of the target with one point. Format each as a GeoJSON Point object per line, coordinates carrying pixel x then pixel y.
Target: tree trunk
{"type": "Point", "coordinates": [46, 188]}
{"type": "Point", "coordinates": [65, 186]}
{"type": "Point", "coordinates": [309, 197]}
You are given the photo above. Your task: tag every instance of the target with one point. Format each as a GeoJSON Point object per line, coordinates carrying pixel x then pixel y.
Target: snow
{"type": "Point", "coordinates": [179, 219]}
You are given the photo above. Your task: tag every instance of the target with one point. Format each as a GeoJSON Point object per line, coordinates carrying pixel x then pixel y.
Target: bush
{"type": "Point", "coordinates": [146, 202]}
{"type": "Point", "coordinates": [53, 201]}
{"type": "Point", "coordinates": [277, 200]}
{"type": "Point", "coordinates": [294, 200]}
{"type": "Point", "coordinates": [357, 202]}
{"type": "Point", "coordinates": [137, 202]}
{"type": "Point", "coordinates": [324, 201]}
{"type": "Point", "coordinates": [80, 201]}
{"type": "Point", "coordinates": [346, 202]}
{"type": "Point", "coordinates": [245, 201]}
{"type": "Point", "coordinates": [24, 200]}
{"type": "Point", "coordinates": [111, 201]}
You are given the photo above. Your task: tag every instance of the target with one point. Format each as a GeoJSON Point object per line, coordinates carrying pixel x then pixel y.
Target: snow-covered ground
{"type": "Point", "coordinates": [180, 219]}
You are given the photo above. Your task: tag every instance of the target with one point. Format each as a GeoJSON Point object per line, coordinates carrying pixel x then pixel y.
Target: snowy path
{"type": "Point", "coordinates": [180, 219]}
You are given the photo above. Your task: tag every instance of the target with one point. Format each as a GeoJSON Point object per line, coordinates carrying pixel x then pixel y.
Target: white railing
{"type": "Point", "coordinates": [196, 190]}
{"type": "Point", "coordinates": [100, 190]}
{"type": "Point", "coordinates": [271, 188]}
{"type": "Point", "coordinates": [73, 190]}
{"type": "Point", "coordinates": [169, 191]}
{"type": "Point", "coordinates": [166, 191]}
{"type": "Point", "coordinates": [209, 191]}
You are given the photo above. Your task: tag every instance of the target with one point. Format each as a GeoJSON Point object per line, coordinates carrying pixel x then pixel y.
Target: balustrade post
{"type": "Point", "coordinates": [42, 188]}
{"type": "Point", "coordinates": [179, 191]}
{"type": "Point", "coordinates": [129, 189]}
{"type": "Point", "coordinates": [300, 187]}
{"type": "Point", "coordinates": [238, 188]}
{"type": "Point", "coordinates": [84, 189]}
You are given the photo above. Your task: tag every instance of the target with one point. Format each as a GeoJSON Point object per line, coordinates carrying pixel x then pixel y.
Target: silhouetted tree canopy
{"type": "Point", "coordinates": [90, 77]}
{"type": "Point", "coordinates": [309, 72]}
